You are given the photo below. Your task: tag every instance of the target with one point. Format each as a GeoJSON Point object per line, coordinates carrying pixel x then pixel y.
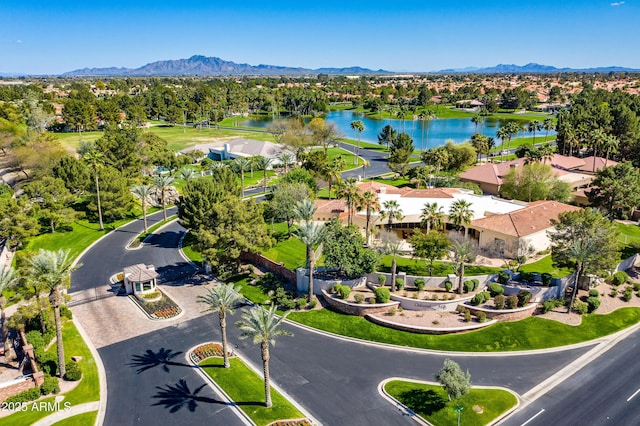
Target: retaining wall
{"type": "Point", "coordinates": [277, 268]}
{"type": "Point", "coordinates": [20, 385]}
{"type": "Point", "coordinates": [427, 330]}
{"type": "Point", "coordinates": [430, 282]}
{"type": "Point", "coordinates": [302, 282]}
{"type": "Point", "coordinates": [359, 309]}
{"type": "Point", "coordinates": [505, 314]}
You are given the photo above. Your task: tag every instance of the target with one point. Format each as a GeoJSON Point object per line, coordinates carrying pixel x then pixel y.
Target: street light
{"type": "Point", "coordinates": [457, 410]}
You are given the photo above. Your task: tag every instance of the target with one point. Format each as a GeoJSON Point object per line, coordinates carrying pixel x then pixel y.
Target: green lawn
{"type": "Point", "coordinates": [187, 249]}
{"type": "Point", "coordinates": [417, 267]}
{"type": "Point", "coordinates": [246, 389]}
{"type": "Point", "coordinates": [83, 419]}
{"type": "Point", "coordinates": [290, 251]}
{"type": "Point", "coordinates": [87, 391]}
{"type": "Point", "coordinates": [431, 403]}
{"type": "Point", "coordinates": [530, 333]}
{"type": "Point", "coordinates": [252, 292]}
{"type": "Point", "coordinates": [517, 142]}
{"type": "Point", "coordinates": [629, 234]}
{"type": "Point", "coordinates": [546, 265]}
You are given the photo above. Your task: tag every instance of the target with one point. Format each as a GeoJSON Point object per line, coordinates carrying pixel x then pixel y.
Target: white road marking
{"type": "Point", "coordinates": [634, 394]}
{"type": "Point", "coordinates": [531, 419]}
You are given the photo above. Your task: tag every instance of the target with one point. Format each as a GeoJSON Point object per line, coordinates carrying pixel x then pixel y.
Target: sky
{"type": "Point", "coordinates": [53, 37]}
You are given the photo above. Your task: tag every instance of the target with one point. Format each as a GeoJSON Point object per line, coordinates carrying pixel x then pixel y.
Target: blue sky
{"type": "Point", "coordinates": [38, 37]}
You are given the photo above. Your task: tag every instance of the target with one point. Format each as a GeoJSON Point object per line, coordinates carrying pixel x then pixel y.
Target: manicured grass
{"type": "Point", "coordinates": [87, 391]}
{"type": "Point", "coordinates": [366, 145]}
{"type": "Point", "coordinates": [440, 269]}
{"type": "Point", "coordinates": [629, 234]}
{"type": "Point", "coordinates": [517, 142]}
{"type": "Point", "coordinates": [546, 265]}
{"type": "Point", "coordinates": [188, 250]}
{"type": "Point", "coordinates": [83, 419]}
{"type": "Point", "coordinates": [252, 292]}
{"type": "Point", "coordinates": [290, 251]}
{"type": "Point", "coordinates": [527, 334]}
{"type": "Point", "coordinates": [246, 389]}
{"type": "Point", "coordinates": [399, 183]}
{"type": "Point", "coordinates": [431, 403]}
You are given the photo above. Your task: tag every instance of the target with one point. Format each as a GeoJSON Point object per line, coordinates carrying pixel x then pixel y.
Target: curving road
{"type": "Point", "coordinates": [334, 379]}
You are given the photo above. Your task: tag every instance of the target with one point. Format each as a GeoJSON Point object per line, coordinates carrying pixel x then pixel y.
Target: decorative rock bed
{"type": "Point", "coordinates": [163, 308]}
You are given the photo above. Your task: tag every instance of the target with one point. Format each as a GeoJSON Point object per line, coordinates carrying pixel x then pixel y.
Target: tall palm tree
{"type": "Point", "coordinates": [462, 251]}
{"type": "Point", "coordinates": [286, 160]}
{"type": "Point", "coordinates": [357, 126]}
{"type": "Point", "coordinates": [348, 190]}
{"type": "Point", "coordinates": [611, 143]}
{"type": "Point", "coordinates": [222, 299]}
{"type": "Point", "coordinates": [391, 210]}
{"type": "Point", "coordinates": [263, 164]}
{"type": "Point", "coordinates": [53, 269]}
{"type": "Point", "coordinates": [391, 246]}
{"type": "Point", "coordinates": [513, 128]}
{"type": "Point", "coordinates": [333, 171]}
{"type": "Point", "coordinates": [581, 251]}
{"type": "Point", "coordinates": [142, 192]}
{"type": "Point", "coordinates": [370, 203]}
{"type": "Point", "coordinates": [598, 138]}
{"type": "Point", "coordinates": [304, 210]}
{"type": "Point", "coordinates": [7, 279]}
{"type": "Point", "coordinates": [460, 214]}
{"type": "Point", "coordinates": [476, 119]}
{"type": "Point", "coordinates": [241, 164]}
{"type": "Point", "coordinates": [311, 234]}
{"type": "Point", "coordinates": [547, 125]}
{"type": "Point", "coordinates": [534, 126]}
{"type": "Point", "coordinates": [262, 326]}
{"type": "Point", "coordinates": [546, 152]}
{"type": "Point", "coordinates": [96, 159]}
{"type": "Point", "coordinates": [432, 215]}
{"type": "Point", "coordinates": [162, 183]}
{"type": "Point", "coordinates": [502, 134]}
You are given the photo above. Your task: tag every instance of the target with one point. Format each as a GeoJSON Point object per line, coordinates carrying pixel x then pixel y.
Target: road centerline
{"type": "Point", "coordinates": [534, 416]}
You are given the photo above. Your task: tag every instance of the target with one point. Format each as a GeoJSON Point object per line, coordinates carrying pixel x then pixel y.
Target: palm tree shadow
{"type": "Point", "coordinates": [152, 359]}
{"type": "Point", "coordinates": [424, 402]}
{"type": "Point", "coordinates": [178, 396]}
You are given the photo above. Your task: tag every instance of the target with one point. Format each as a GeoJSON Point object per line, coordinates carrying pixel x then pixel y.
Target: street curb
{"type": "Point", "coordinates": [422, 421]}
{"type": "Point", "coordinates": [169, 222]}
{"type": "Point", "coordinates": [102, 374]}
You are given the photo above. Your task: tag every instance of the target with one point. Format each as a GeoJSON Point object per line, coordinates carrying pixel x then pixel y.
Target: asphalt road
{"type": "Point", "coordinates": [334, 379]}
{"type": "Point", "coordinates": [606, 392]}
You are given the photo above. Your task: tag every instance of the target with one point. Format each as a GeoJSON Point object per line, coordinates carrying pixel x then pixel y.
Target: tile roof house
{"type": "Point", "coordinates": [241, 147]}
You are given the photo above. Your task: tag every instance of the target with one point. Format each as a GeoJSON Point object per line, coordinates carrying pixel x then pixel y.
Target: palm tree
{"type": "Point", "coordinates": [7, 279]}
{"type": "Point", "coordinates": [333, 171]}
{"type": "Point", "coordinates": [348, 190]}
{"type": "Point", "coordinates": [216, 165]}
{"type": "Point", "coordinates": [53, 269]}
{"type": "Point", "coordinates": [479, 143]}
{"type": "Point", "coordinates": [598, 138]}
{"type": "Point", "coordinates": [311, 234]}
{"type": "Point", "coordinates": [581, 251]}
{"type": "Point", "coordinates": [502, 134]}
{"type": "Point", "coordinates": [547, 125]}
{"type": "Point", "coordinates": [391, 210]}
{"type": "Point", "coordinates": [387, 136]}
{"type": "Point", "coordinates": [263, 164]}
{"type": "Point", "coordinates": [161, 183]}
{"type": "Point", "coordinates": [546, 152]}
{"type": "Point", "coordinates": [286, 160]}
{"type": "Point", "coordinates": [365, 164]}
{"type": "Point", "coordinates": [261, 326]}
{"type": "Point", "coordinates": [357, 126]}
{"type": "Point", "coordinates": [370, 204]}
{"type": "Point", "coordinates": [304, 210]}
{"type": "Point", "coordinates": [187, 174]}
{"type": "Point", "coordinates": [222, 299]}
{"type": "Point", "coordinates": [462, 251]}
{"type": "Point", "coordinates": [142, 192]}
{"type": "Point", "coordinates": [476, 119]}
{"type": "Point", "coordinates": [432, 215]}
{"type": "Point", "coordinates": [513, 129]}
{"type": "Point", "coordinates": [611, 143]}
{"type": "Point", "coordinates": [241, 164]}
{"type": "Point", "coordinates": [460, 214]}
{"type": "Point", "coordinates": [96, 158]}
{"type": "Point", "coordinates": [534, 126]}
{"type": "Point", "coordinates": [391, 246]}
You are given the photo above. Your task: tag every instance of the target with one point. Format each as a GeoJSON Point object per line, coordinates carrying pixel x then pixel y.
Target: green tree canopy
{"type": "Point", "coordinates": [533, 182]}
{"type": "Point", "coordinates": [612, 192]}
{"type": "Point", "coordinates": [430, 246]}
{"type": "Point", "coordinates": [455, 382]}
{"type": "Point", "coordinates": [344, 250]}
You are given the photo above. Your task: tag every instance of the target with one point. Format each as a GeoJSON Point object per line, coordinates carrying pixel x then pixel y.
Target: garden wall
{"type": "Point", "coordinates": [506, 314]}
{"type": "Point", "coordinates": [20, 385]}
{"type": "Point", "coordinates": [429, 305]}
{"type": "Point", "coordinates": [427, 330]}
{"type": "Point", "coordinates": [430, 282]}
{"type": "Point", "coordinates": [359, 309]}
{"type": "Point", "coordinates": [302, 282]}
{"type": "Point", "coordinates": [269, 265]}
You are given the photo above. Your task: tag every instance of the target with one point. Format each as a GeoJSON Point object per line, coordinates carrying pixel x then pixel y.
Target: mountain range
{"type": "Point", "coordinates": [199, 65]}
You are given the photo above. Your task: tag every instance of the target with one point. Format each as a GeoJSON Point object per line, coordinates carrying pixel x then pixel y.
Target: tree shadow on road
{"type": "Point", "coordinates": [178, 396]}
{"type": "Point", "coordinates": [425, 402]}
{"type": "Point", "coordinates": [152, 359]}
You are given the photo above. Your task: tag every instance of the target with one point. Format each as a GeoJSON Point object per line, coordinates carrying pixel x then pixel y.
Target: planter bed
{"type": "Point", "coordinates": [164, 308]}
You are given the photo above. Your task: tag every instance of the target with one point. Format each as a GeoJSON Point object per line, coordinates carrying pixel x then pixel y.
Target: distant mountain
{"type": "Point", "coordinates": [211, 66]}
{"type": "Point", "coordinates": [532, 68]}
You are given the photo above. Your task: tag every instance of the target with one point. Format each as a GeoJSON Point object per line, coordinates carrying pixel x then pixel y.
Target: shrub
{"type": "Point", "coordinates": [344, 291]}
{"type": "Point", "coordinates": [628, 293]}
{"type": "Point", "coordinates": [482, 316]}
{"type": "Point", "coordinates": [619, 278]}
{"type": "Point", "coordinates": [499, 301]}
{"type": "Point", "coordinates": [467, 286]}
{"type": "Point", "coordinates": [511, 302]}
{"type": "Point", "coordinates": [448, 285]}
{"type": "Point", "coordinates": [594, 293]}
{"type": "Point", "coordinates": [415, 295]}
{"type": "Point", "coordinates": [48, 361]}
{"type": "Point", "coordinates": [480, 298]}
{"type": "Point", "coordinates": [358, 297]}
{"type": "Point", "coordinates": [383, 295]}
{"type": "Point", "coordinates": [547, 306]}
{"type": "Point", "coordinates": [593, 303]}
{"type": "Point", "coordinates": [391, 312]}
{"type": "Point", "coordinates": [636, 286]}
{"type": "Point", "coordinates": [434, 297]}
{"type": "Point", "coordinates": [475, 283]}
{"type": "Point", "coordinates": [287, 304]}
{"type": "Point", "coordinates": [74, 372]}
{"type": "Point", "coordinates": [496, 289]}
{"type": "Point", "coordinates": [452, 296]}
{"type": "Point", "coordinates": [526, 276]}
{"type": "Point", "coordinates": [613, 293]}
{"type": "Point", "coordinates": [399, 284]}
{"type": "Point", "coordinates": [66, 312]}
{"type": "Point", "coordinates": [35, 338]}
{"type": "Point", "coordinates": [467, 315]}
{"type": "Point", "coordinates": [382, 279]}
{"type": "Point", "coordinates": [313, 303]}
{"type": "Point", "coordinates": [301, 303]}
{"type": "Point", "coordinates": [50, 385]}
{"type": "Point", "coordinates": [503, 277]}
{"type": "Point", "coordinates": [579, 307]}
{"type": "Point", "coordinates": [24, 396]}
{"type": "Point", "coordinates": [336, 288]}
{"type": "Point", "coordinates": [523, 297]}
{"type": "Point", "coordinates": [419, 283]}
{"type": "Point", "coordinates": [546, 278]}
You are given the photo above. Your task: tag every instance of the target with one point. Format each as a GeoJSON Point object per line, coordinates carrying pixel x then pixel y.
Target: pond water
{"type": "Point", "coordinates": [425, 135]}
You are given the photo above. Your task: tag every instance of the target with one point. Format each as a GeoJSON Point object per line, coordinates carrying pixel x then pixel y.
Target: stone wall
{"type": "Point", "coordinates": [427, 330]}
{"type": "Point", "coordinates": [430, 282]}
{"type": "Point", "coordinates": [359, 309]}
{"type": "Point", "coordinates": [505, 314]}
{"type": "Point", "coordinates": [302, 282]}
{"type": "Point", "coordinates": [269, 265]}
{"type": "Point", "coordinates": [429, 305]}
{"type": "Point", "coordinates": [20, 385]}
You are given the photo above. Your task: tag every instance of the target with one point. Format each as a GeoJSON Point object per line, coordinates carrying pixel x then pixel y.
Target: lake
{"type": "Point", "coordinates": [434, 133]}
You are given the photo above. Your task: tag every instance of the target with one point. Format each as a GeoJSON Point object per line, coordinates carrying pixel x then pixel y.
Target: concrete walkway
{"type": "Point", "coordinates": [63, 414]}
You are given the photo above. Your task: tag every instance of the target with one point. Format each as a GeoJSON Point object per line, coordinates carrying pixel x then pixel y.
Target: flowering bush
{"type": "Point", "coordinates": [205, 351]}
{"type": "Point", "coordinates": [166, 312]}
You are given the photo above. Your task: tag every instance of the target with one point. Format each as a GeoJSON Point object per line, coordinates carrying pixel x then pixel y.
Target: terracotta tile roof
{"type": "Point", "coordinates": [330, 206]}
{"type": "Point", "coordinates": [429, 193]}
{"type": "Point", "coordinates": [567, 163]}
{"type": "Point", "coordinates": [529, 220]}
{"type": "Point", "coordinates": [588, 166]}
